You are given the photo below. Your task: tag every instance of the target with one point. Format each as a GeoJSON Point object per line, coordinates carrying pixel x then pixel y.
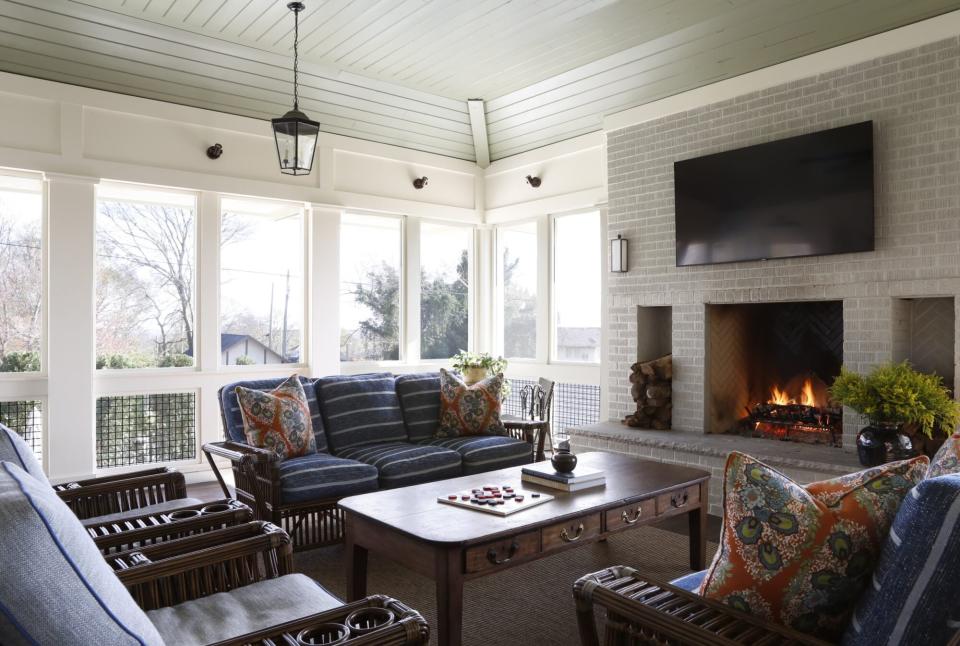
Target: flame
{"type": "Point", "coordinates": [780, 397]}
{"type": "Point", "coordinates": [808, 396]}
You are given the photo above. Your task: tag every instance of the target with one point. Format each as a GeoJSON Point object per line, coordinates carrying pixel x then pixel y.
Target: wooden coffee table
{"type": "Point", "coordinates": [452, 545]}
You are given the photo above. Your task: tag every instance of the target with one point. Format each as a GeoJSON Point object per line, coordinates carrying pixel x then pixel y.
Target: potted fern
{"type": "Point", "coordinates": [891, 396]}
{"type": "Point", "coordinates": [476, 366]}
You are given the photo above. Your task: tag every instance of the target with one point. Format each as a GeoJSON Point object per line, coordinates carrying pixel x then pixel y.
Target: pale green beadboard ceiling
{"type": "Point", "coordinates": [400, 71]}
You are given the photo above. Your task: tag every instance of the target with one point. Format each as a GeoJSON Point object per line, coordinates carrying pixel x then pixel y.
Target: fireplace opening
{"type": "Point", "coordinates": [768, 368]}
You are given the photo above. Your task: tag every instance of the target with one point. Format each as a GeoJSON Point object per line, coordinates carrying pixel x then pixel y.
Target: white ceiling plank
{"type": "Point", "coordinates": [478, 122]}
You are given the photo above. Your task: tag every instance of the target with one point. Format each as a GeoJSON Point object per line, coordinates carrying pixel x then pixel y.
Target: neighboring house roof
{"type": "Point", "coordinates": [230, 340]}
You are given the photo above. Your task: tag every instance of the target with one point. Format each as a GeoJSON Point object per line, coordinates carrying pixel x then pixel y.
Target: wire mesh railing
{"type": "Point", "coordinates": [144, 429]}
{"type": "Point", "coordinates": [25, 418]}
{"type": "Point", "coordinates": [573, 404]}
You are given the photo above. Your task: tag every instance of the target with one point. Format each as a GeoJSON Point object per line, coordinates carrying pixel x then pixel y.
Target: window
{"type": "Point", "coordinates": [142, 429]}
{"type": "Point", "coordinates": [261, 282]}
{"type": "Point", "coordinates": [370, 271]}
{"type": "Point", "coordinates": [444, 289]}
{"type": "Point", "coordinates": [576, 287]}
{"type": "Point", "coordinates": [21, 274]}
{"type": "Point", "coordinates": [145, 278]}
{"type": "Point", "coordinates": [25, 418]}
{"type": "Point", "coordinates": [517, 260]}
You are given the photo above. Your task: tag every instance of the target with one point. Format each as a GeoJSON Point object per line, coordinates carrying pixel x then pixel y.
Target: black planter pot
{"type": "Point", "coordinates": [883, 442]}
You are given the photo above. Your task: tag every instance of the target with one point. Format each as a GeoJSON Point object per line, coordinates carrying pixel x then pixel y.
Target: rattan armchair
{"type": "Point", "coordinates": [122, 493]}
{"type": "Point", "coordinates": [640, 611]}
{"type": "Point", "coordinates": [184, 570]}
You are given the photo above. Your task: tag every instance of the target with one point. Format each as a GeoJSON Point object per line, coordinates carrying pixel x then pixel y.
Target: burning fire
{"type": "Point", "coordinates": [782, 398]}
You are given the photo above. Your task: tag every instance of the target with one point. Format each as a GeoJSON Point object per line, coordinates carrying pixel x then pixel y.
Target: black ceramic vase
{"type": "Point", "coordinates": [563, 460]}
{"type": "Point", "coordinates": [883, 442]}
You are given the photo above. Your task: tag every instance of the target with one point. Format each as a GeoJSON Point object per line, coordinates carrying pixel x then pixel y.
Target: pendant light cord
{"type": "Point", "coordinates": [296, 63]}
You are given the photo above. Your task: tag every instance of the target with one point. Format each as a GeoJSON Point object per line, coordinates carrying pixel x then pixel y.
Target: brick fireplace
{"type": "Point", "coordinates": [897, 302]}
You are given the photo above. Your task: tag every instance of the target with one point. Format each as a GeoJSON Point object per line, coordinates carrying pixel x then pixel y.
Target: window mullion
{"type": "Point", "coordinates": [410, 292]}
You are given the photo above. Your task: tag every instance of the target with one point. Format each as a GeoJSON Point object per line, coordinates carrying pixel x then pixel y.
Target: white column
{"type": "Point", "coordinates": [324, 302]}
{"type": "Point", "coordinates": [484, 313]}
{"type": "Point", "coordinates": [71, 332]}
{"type": "Point", "coordinates": [410, 294]}
{"type": "Point", "coordinates": [544, 295]}
{"type": "Point", "coordinates": [207, 323]}
{"type": "Point", "coordinates": [604, 315]}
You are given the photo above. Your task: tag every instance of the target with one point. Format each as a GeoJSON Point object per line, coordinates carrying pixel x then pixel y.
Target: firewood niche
{"type": "Point", "coordinates": [652, 390]}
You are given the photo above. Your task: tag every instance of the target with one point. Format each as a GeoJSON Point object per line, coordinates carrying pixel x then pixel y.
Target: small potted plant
{"type": "Point", "coordinates": [892, 395]}
{"type": "Point", "coordinates": [476, 366]}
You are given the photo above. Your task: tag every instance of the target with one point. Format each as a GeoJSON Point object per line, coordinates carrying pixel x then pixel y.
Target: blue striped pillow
{"type": "Point", "coordinates": [913, 596]}
{"type": "Point", "coordinates": [419, 395]}
{"type": "Point", "coordinates": [360, 410]}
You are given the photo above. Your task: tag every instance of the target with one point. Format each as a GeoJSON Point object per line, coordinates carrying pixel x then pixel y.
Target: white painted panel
{"type": "Point", "coordinates": [561, 175]}
{"type": "Point", "coordinates": [31, 123]}
{"type": "Point", "coordinates": [371, 175]}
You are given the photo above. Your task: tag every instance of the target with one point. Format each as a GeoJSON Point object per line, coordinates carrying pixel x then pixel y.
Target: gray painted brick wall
{"type": "Point", "coordinates": [913, 97]}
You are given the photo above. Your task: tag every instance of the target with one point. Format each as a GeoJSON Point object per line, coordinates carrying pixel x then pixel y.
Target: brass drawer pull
{"type": "Point", "coordinates": [569, 539]}
{"type": "Point", "coordinates": [630, 521]}
{"type": "Point", "coordinates": [492, 554]}
{"type": "Point", "coordinates": [679, 501]}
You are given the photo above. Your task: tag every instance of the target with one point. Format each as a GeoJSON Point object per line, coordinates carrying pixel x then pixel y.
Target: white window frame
{"type": "Point", "coordinates": [305, 336]}
{"type": "Point", "coordinates": [366, 365]}
{"type": "Point", "coordinates": [552, 348]}
{"type": "Point", "coordinates": [542, 309]}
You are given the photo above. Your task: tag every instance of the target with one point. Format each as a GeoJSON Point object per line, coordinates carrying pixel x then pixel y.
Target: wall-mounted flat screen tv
{"type": "Point", "coordinates": [804, 196]}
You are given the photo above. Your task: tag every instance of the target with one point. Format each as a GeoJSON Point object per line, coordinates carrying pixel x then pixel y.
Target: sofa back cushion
{"type": "Point", "coordinates": [233, 418]}
{"type": "Point", "coordinates": [419, 395]}
{"type": "Point", "coordinates": [360, 410]}
{"type": "Point", "coordinates": [14, 449]}
{"type": "Point", "coordinates": [913, 596]}
{"type": "Point", "coordinates": [56, 587]}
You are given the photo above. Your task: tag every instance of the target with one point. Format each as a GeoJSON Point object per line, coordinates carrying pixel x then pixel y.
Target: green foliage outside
{"type": "Point", "coordinates": [244, 360]}
{"type": "Point", "coordinates": [141, 429]}
{"type": "Point", "coordinates": [20, 362]}
{"type": "Point", "coordinates": [519, 313]}
{"type": "Point", "coordinates": [444, 312]}
{"type": "Point", "coordinates": [896, 393]}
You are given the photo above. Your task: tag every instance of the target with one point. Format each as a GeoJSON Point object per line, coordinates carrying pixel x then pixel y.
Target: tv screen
{"type": "Point", "coordinates": [804, 196]}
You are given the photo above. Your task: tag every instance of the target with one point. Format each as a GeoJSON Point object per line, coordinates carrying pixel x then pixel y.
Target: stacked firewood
{"type": "Point", "coordinates": [651, 387]}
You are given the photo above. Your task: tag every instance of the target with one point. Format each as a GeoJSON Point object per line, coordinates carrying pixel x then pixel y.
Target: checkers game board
{"type": "Point", "coordinates": [501, 500]}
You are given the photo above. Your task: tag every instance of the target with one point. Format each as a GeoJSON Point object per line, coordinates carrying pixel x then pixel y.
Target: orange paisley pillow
{"type": "Point", "coordinates": [278, 419]}
{"type": "Point", "coordinates": [469, 410]}
{"type": "Point", "coordinates": [801, 556]}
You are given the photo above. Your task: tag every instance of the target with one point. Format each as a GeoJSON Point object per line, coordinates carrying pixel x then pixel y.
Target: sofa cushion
{"type": "Point", "coordinates": [487, 452]}
{"type": "Point", "coordinates": [227, 615]}
{"type": "Point", "coordinates": [14, 448]}
{"type": "Point", "coordinates": [801, 556]}
{"type": "Point", "coordinates": [157, 508]}
{"type": "Point", "coordinates": [690, 582]}
{"type": "Point", "coordinates": [469, 410]}
{"type": "Point", "coordinates": [401, 463]}
{"type": "Point", "coordinates": [56, 588]}
{"type": "Point", "coordinates": [278, 419]}
{"type": "Point", "coordinates": [319, 476]}
{"type": "Point", "coordinates": [913, 599]}
{"type": "Point", "coordinates": [947, 459]}
{"type": "Point", "coordinates": [419, 395]}
{"type": "Point", "coordinates": [233, 419]}
{"type": "Point", "coordinates": [360, 409]}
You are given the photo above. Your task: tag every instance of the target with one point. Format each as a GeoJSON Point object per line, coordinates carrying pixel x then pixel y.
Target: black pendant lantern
{"type": "Point", "coordinates": [295, 134]}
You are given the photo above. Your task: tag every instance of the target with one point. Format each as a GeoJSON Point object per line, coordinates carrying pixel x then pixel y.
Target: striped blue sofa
{"type": "Point", "coordinates": [373, 431]}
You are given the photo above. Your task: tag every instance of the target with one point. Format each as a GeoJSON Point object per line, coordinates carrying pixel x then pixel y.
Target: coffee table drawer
{"type": "Point", "coordinates": [570, 531]}
{"type": "Point", "coordinates": [627, 515]}
{"type": "Point", "coordinates": [678, 500]}
{"type": "Point", "coordinates": [496, 554]}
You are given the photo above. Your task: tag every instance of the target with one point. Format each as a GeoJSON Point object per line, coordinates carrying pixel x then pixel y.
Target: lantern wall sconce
{"type": "Point", "coordinates": [214, 151]}
{"type": "Point", "coordinates": [420, 182]}
{"type": "Point", "coordinates": [534, 181]}
{"type": "Point", "coordinates": [618, 255]}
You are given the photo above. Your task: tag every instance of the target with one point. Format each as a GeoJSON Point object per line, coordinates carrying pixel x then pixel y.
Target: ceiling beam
{"type": "Point", "coordinates": [478, 125]}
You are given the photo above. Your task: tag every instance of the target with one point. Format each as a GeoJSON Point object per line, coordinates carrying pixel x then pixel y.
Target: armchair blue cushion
{"type": "Point", "coordinates": [360, 410]}
{"type": "Point", "coordinates": [690, 582]}
{"type": "Point", "coordinates": [14, 449]}
{"type": "Point", "coordinates": [913, 598]}
{"type": "Point", "coordinates": [233, 420]}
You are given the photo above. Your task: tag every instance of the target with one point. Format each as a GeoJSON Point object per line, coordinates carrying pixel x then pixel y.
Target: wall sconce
{"type": "Point", "coordinates": [618, 254]}
{"type": "Point", "coordinates": [420, 182]}
{"type": "Point", "coordinates": [534, 181]}
{"type": "Point", "coordinates": [214, 151]}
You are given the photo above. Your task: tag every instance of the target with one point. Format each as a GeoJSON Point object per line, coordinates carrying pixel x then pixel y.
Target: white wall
{"type": "Point", "coordinates": [79, 137]}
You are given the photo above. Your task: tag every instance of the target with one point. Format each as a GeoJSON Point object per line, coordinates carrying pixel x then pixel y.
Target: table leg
{"type": "Point", "coordinates": [698, 532]}
{"type": "Point", "coordinates": [449, 598]}
{"type": "Point", "coordinates": [356, 568]}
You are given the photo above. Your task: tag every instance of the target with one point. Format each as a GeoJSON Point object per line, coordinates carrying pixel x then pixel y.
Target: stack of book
{"type": "Point", "coordinates": [542, 473]}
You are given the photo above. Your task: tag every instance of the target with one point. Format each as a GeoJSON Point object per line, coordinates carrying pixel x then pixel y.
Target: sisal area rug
{"type": "Point", "coordinates": [528, 602]}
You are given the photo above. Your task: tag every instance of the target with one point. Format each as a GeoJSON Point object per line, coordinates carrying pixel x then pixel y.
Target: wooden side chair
{"type": "Point", "coordinates": [533, 424]}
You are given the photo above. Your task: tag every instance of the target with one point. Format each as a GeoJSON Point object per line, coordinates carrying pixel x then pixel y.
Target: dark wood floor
{"type": "Point", "coordinates": [678, 524]}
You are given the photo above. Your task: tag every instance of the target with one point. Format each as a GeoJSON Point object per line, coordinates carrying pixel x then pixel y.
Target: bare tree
{"type": "Point", "coordinates": [20, 288]}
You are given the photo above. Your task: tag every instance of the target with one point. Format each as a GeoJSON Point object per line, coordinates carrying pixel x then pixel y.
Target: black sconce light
{"type": "Point", "coordinates": [534, 181]}
{"type": "Point", "coordinates": [618, 254]}
{"type": "Point", "coordinates": [214, 151]}
{"type": "Point", "coordinates": [420, 182]}
{"type": "Point", "coordinates": [295, 134]}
